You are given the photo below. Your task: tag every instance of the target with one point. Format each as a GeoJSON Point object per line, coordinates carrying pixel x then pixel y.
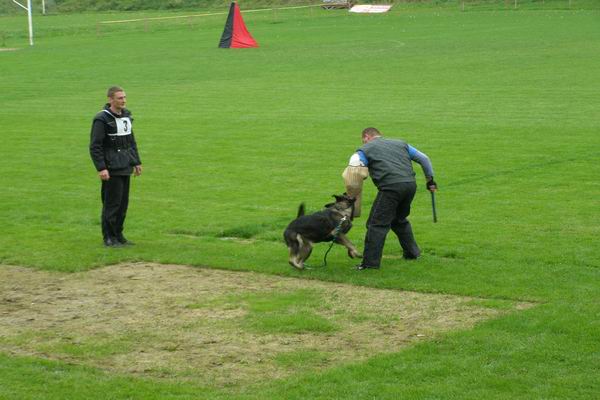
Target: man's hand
{"type": "Point", "coordinates": [137, 170]}
{"type": "Point", "coordinates": [104, 175]}
{"type": "Point", "coordinates": [431, 185]}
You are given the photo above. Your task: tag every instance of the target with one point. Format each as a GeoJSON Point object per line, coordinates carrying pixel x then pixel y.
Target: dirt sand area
{"type": "Point", "coordinates": [216, 327]}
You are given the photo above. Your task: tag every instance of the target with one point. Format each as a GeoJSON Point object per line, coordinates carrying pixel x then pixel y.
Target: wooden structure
{"type": "Point", "coordinates": [336, 4]}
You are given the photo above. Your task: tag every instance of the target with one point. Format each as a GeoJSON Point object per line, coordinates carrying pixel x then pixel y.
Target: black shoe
{"type": "Point", "coordinates": [360, 267]}
{"type": "Point", "coordinates": [123, 240]}
{"type": "Point", "coordinates": [112, 242]}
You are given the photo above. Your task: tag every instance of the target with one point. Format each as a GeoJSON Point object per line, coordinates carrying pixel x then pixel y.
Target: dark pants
{"type": "Point", "coordinates": [389, 211]}
{"type": "Point", "coordinates": [115, 199]}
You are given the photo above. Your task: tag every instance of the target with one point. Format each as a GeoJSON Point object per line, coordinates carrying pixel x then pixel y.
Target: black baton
{"type": "Point", "coordinates": [433, 206]}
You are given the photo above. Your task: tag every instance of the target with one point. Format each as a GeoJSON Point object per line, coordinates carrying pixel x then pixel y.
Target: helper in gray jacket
{"type": "Point", "coordinates": [390, 166]}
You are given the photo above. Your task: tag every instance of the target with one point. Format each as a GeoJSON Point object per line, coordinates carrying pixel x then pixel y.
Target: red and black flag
{"type": "Point", "coordinates": [235, 34]}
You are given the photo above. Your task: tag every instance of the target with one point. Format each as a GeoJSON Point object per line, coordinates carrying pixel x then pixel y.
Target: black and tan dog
{"type": "Point", "coordinates": [326, 225]}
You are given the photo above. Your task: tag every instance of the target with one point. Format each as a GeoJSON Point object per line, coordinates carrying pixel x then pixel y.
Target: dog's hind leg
{"type": "Point", "coordinates": [344, 241]}
{"type": "Point", "coordinates": [304, 251]}
{"type": "Point", "coordinates": [294, 243]}
{"type": "Point", "coordinates": [296, 253]}
{"type": "Point", "coordinates": [293, 258]}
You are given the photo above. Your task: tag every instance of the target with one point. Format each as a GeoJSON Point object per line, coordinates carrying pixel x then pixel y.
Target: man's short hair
{"type": "Point", "coordinates": [370, 132]}
{"type": "Point", "coordinates": [112, 90]}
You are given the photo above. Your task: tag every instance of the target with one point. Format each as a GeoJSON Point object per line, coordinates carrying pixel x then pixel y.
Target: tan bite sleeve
{"type": "Point", "coordinates": [353, 181]}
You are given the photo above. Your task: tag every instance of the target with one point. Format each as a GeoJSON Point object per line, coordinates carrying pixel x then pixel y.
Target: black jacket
{"type": "Point", "coordinates": [112, 143]}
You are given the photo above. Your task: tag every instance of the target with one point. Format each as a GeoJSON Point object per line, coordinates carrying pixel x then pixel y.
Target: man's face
{"type": "Point", "coordinates": [366, 139]}
{"type": "Point", "coordinates": [118, 100]}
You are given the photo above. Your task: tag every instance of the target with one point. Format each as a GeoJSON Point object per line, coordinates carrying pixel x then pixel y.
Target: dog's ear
{"type": "Point", "coordinates": [339, 198]}
{"type": "Point", "coordinates": [347, 197]}
{"type": "Point", "coordinates": [329, 205]}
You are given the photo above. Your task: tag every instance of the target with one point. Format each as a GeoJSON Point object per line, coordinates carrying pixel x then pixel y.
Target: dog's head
{"type": "Point", "coordinates": [344, 204]}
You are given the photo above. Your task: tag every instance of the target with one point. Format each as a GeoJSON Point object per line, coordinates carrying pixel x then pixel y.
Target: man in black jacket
{"type": "Point", "coordinates": [114, 152]}
{"type": "Point", "coordinates": [390, 165]}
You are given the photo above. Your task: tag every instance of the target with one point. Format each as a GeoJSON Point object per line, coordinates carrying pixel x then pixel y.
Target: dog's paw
{"type": "Point", "coordinates": [354, 254]}
{"type": "Point", "coordinates": [297, 266]}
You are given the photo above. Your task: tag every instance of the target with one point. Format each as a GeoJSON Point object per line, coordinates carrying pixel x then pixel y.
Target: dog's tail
{"type": "Point", "coordinates": [301, 210]}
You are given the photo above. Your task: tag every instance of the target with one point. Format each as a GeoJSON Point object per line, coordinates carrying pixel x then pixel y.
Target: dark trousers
{"type": "Point", "coordinates": [389, 211]}
{"type": "Point", "coordinates": [115, 199]}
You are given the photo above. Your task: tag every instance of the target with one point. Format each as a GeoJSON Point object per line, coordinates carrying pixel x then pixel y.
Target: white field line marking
{"type": "Point", "coordinates": [200, 15]}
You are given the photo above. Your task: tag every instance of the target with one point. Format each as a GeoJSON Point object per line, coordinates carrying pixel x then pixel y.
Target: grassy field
{"type": "Point", "coordinates": [505, 103]}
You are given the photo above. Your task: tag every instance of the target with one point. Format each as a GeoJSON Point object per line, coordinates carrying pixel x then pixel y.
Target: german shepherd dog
{"type": "Point", "coordinates": [326, 225]}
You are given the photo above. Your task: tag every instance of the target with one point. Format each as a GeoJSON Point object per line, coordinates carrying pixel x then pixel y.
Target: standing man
{"type": "Point", "coordinates": [115, 156]}
{"type": "Point", "coordinates": [390, 165]}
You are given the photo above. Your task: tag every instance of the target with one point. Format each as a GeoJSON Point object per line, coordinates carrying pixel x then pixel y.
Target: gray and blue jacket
{"type": "Point", "coordinates": [390, 161]}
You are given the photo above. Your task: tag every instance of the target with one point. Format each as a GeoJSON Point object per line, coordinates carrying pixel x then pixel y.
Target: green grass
{"type": "Point", "coordinates": [504, 103]}
{"type": "Point", "coordinates": [285, 312]}
{"type": "Point", "coordinates": [92, 348]}
{"type": "Point", "coordinates": [276, 312]}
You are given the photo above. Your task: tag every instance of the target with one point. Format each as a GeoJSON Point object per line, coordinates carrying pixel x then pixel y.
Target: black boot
{"type": "Point", "coordinates": [112, 242]}
{"type": "Point", "coordinates": [124, 242]}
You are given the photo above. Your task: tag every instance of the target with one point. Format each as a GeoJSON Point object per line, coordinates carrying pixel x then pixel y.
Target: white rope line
{"type": "Point", "coordinates": [199, 15]}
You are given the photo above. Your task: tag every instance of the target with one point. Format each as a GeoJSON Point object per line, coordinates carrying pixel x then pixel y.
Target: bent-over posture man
{"type": "Point", "coordinates": [114, 152]}
{"type": "Point", "coordinates": [390, 165]}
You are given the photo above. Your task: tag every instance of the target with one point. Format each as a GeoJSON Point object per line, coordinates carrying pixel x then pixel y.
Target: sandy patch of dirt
{"type": "Point", "coordinates": [183, 322]}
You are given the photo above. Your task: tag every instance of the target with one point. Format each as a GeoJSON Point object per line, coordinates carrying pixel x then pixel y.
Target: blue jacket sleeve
{"type": "Point", "coordinates": [422, 159]}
